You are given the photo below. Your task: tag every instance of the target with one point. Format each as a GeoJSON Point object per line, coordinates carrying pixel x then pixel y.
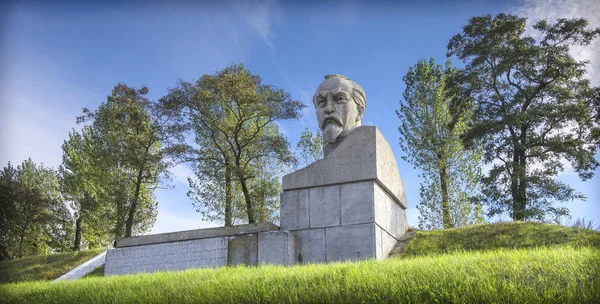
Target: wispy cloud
{"type": "Point", "coordinates": [260, 16]}
{"type": "Point", "coordinates": [181, 173]}
{"type": "Point", "coordinates": [551, 10]}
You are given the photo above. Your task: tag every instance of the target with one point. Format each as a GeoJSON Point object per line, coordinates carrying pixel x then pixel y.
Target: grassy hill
{"type": "Point", "coordinates": [497, 263]}
{"type": "Point", "coordinates": [43, 267]}
{"type": "Point", "coordinates": [510, 235]}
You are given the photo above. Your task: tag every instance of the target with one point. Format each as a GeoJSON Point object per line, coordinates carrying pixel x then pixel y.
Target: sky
{"type": "Point", "coordinates": [56, 59]}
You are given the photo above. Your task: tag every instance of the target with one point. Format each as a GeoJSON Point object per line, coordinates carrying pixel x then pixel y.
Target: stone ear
{"type": "Point", "coordinates": [360, 99]}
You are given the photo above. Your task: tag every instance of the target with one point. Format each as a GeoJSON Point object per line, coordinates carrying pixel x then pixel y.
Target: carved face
{"type": "Point", "coordinates": [337, 112]}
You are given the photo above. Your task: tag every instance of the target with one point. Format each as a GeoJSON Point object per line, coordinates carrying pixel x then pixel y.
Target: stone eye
{"type": "Point", "coordinates": [321, 102]}
{"type": "Point", "coordinates": [341, 99]}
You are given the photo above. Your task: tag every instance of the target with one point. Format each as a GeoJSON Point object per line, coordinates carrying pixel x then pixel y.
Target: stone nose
{"type": "Point", "coordinates": [329, 106]}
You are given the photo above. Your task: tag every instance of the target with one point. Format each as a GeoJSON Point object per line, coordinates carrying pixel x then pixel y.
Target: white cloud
{"type": "Point", "coordinates": [181, 172]}
{"type": "Point", "coordinates": [551, 10]}
{"type": "Point", "coordinates": [260, 16]}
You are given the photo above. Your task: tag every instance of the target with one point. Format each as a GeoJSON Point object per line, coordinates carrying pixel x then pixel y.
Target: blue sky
{"type": "Point", "coordinates": [56, 59]}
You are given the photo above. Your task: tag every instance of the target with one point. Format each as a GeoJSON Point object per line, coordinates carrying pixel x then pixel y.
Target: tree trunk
{"type": "Point", "coordinates": [445, 200]}
{"type": "Point", "coordinates": [133, 207]}
{"type": "Point", "coordinates": [228, 197]}
{"type": "Point", "coordinates": [77, 241]}
{"type": "Point", "coordinates": [514, 184]}
{"type": "Point", "coordinates": [520, 197]}
{"type": "Point", "coordinates": [249, 209]}
{"type": "Point", "coordinates": [22, 237]}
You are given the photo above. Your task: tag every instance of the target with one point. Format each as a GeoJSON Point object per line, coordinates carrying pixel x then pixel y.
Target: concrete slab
{"type": "Point", "coordinates": [363, 155]}
{"type": "Point", "coordinates": [324, 206]}
{"type": "Point", "coordinates": [312, 245]}
{"type": "Point", "coordinates": [357, 203]}
{"type": "Point", "coordinates": [387, 244]}
{"type": "Point", "coordinates": [278, 247]}
{"type": "Point", "coordinates": [167, 256]}
{"type": "Point", "coordinates": [380, 205]}
{"type": "Point", "coordinates": [294, 211]}
{"type": "Point", "coordinates": [242, 249]}
{"type": "Point", "coordinates": [195, 234]}
{"type": "Point", "coordinates": [352, 242]}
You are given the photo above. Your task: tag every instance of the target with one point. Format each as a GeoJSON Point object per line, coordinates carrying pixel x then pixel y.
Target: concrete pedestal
{"type": "Point", "coordinates": [349, 205]}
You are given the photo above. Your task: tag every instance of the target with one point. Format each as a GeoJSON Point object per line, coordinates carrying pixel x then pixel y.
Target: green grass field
{"type": "Point", "coordinates": [43, 267]}
{"type": "Point", "coordinates": [496, 263]}
{"type": "Point", "coordinates": [511, 235]}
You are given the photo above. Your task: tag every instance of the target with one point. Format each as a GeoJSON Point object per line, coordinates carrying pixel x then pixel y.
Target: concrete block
{"type": "Point", "coordinates": [357, 201]}
{"type": "Point", "coordinates": [387, 244]}
{"type": "Point", "coordinates": [324, 206]}
{"type": "Point", "coordinates": [195, 234]}
{"type": "Point", "coordinates": [312, 245]}
{"type": "Point", "coordinates": [278, 247]}
{"type": "Point", "coordinates": [352, 242]}
{"type": "Point", "coordinates": [391, 215]}
{"type": "Point", "coordinates": [401, 223]}
{"type": "Point", "coordinates": [363, 155]}
{"type": "Point", "coordinates": [242, 249]}
{"type": "Point", "coordinates": [380, 206]}
{"type": "Point", "coordinates": [378, 245]}
{"type": "Point", "coordinates": [295, 209]}
{"type": "Point", "coordinates": [211, 252]}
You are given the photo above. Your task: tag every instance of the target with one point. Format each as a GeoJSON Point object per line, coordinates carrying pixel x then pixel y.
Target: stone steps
{"type": "Point", "coordinates": [83, 269]}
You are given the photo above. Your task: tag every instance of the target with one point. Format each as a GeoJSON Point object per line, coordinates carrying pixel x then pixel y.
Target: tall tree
{"type": "Point", "coordinates": [310, 146]}
{"type": "Point", "coordinates": [534, 110]}
{"type": "Point", "coordinates": [430, 130]}
{"type": "Point", "coordinates": [35, 219]}
{"type": "Point", "coordinates": [133, 132]}
{"type": "Point", "coordinates": [230, 113]}
{"type": "Point", "coordinates": [84, 174]}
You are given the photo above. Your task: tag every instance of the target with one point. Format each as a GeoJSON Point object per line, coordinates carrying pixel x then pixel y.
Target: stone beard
{"type": "Point", "coordinates": [340, 105]}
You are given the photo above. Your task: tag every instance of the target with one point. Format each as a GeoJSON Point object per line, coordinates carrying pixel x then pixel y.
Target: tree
{"type": "Point", "coordinates": [430, 129]}
{"type": "Point", "coordinates": [133, 133]}
{"type": "Point", "coordinates": [35, 219]}
{"type": "Point", "coordinates": [533, 113]}
{"type": "Point", "coordinates": [310, 146]}
{"type": "Point", "coordinates": [231, 113]}
{"type": "Point", "coordinates": [84, 174]}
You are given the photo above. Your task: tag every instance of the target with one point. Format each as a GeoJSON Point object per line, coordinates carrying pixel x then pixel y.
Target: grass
{"type": "Point", "coordinates": [513, 235]}
{"type": "Point", "coordinates": [492, 263]}
{"type": "Point", "coordinates": [43, 267]}
{"type": "Point", "coordinates": [540, 275]}
{"type": "Point", "coordinates": [97, 272]}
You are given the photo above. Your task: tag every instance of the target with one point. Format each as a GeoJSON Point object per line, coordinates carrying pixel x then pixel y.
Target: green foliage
{"type": "Point", "coordinates": [34, 217]}
{"type": "Point", "coordinates": [233, 115]}
{"type": "Point", "coordinates": [43, 267]}
{"type": "Point", "coordinates": [534, 110]}
{"type": "Point", "coordinates": [310, 146]}
{"type": "Point", "coordinates": [131, 134]}
{"type": "Point", "coordinates": [502, 276]}
{"type": "Point", "coordinates": [83, 178]}
{"type": "Point", "coordinates": [515, 235]}
{"type": "Point", "coordinates": [430, 128]}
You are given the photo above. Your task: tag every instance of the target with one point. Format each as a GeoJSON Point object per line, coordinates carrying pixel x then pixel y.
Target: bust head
{"type": "Point", "coordinates": [340, 104]}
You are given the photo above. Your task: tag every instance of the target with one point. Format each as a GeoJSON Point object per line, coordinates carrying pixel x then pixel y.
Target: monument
{"type": "Point", "coordinates": [350, 205]}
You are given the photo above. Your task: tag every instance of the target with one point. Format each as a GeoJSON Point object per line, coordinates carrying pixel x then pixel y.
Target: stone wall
{"type": "Point", "coordinates": [233, 247]}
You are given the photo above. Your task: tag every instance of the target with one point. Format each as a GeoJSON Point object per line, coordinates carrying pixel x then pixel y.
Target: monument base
{"type": "Point", "coordinates": [252, 244]}
{"type": "Point", "coordinates": [349, 205]}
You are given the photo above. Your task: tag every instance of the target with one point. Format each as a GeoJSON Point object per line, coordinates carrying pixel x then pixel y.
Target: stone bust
{"type": "Point", "coordinates": [340, 104]}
